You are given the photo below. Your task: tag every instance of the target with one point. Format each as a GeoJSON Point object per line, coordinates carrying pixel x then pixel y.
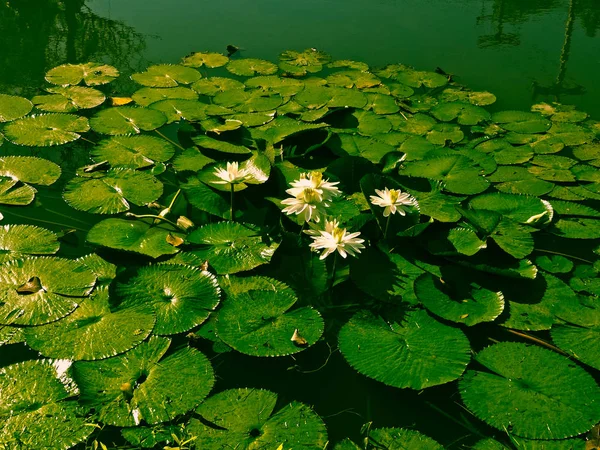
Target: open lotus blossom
{"type": "Point", "coordinates": [334, 238]}
{"type": "Point", "coordinates": [308, 202]}
{"type": "Point", "coordinates": [393, 200]}
{"type": "Point", "coordinates": [232, 175]}
{"type": "Point", "coordinates": [314, 180]}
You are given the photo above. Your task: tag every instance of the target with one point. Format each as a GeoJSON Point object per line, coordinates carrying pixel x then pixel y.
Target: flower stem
{"type": "Point", "coordinates": [231, 210]}
{"type": "Point", "coordinates": [333, 274]}
{"type": "Point", "coordinates": [387, 224]}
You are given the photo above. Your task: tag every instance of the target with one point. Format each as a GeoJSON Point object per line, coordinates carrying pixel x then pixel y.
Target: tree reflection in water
{"type": "Point", "coordinates": [38, 35]}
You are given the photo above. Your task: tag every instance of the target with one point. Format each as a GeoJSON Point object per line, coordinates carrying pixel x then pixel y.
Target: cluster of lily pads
{"type": "Point", "coordinates": [468, 220]}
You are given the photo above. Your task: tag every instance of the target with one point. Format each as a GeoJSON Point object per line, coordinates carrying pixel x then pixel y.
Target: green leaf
{"type": "Point", "coordinates": [36, 291]}
{"type": "Point", "coordinates": [143, 385]}
{"type": "Point", "coordinates": [93, 74]}
{"type": "Point", "coordinates": [522, 122]}
{"type": "Point", "coordinates": [113, 192]}
{"type": "Point", "coordinates": [207, 59]}
{"type": "Point", "coordinates": [517, 180]}
{"type": "Point", "coordinates": [182, 296]}
{"type": "Point", "coordinates": [69, 99]}
{"type": "Point", "coordinates": [554, 263]}
{"type": "Point", "coordinates": [576, 228]}
{"type": "Point", "coordinates": [281, 128]}
{"type": "Point", "coordinates": [36, 409]}
{"type": "Point", "coordinates": [504, 153]}
{"type": "Point", "coordinates": [215, 85]}
{"type": "Point", "coordinates": [248, 67]}
{"type": "Point", "coordinates": [248, 101]}
{"type": "Point", "coordinates": [30, 169]}
{"type": "Point", "coordinates": [146, 96]}
{"type": "Point", "coordinates": [18, 241]}
{"type": "Point", "coordinates": [413, 78]}
{"type": "Point", "coordinates": [458, 173]}
{"type": "Point", "coordinates": [127, 120]}
{"type": "Point", "coordinates": [533, 392]}
{"type": "Point", "coordinates": [135, 152]}
{"type": "Point", "coordinates": [400, 439]}
{"type": "Point", "coordinates": [459, 300]}
{"type": "Point", "coordinates": [221, 146]}
{"type": "Point", "coordinates": [368, 148]}
{"type": "Point", "coordinates": [260, 323]}
{"type": "Point", "coordinates": [520, 208]}
{"type": "Point", "coordinates": [176, 110]}
{"type": "Point", "coordinates": [137, 236]}
{"type": "Point", "coordinates": [438, 206]}
{"type": "Point", "coordinates": [12, 193]}
{"type": "Point", "coordinates": [93, 331]}
{"type": "Point", "coordinates": [13, 107]}
{"type": "Point", "coordinates": [270, 85]}
{"type": "Point", "coordinates": [465, 114]}
{"type": "Point", "coordinates": [353, 79]}
{"type": "Point", "coordinates": [416, 352]}
{"type": "Point", "coordinates": [166, 75]}
{"type": "Point", "coordinates": [231, 247]}
{"type": "Point", "coordinates": [246, 419]}
{"type": "Point", "coordinates": [464, 96]}
{"type": "Point", "coordinates": [441, 133]}
{"type": "Point", "coordinates": [46, 130]}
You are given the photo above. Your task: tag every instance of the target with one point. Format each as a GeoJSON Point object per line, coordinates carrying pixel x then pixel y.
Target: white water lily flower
{"type": "Point", "coordinates": [308, 202]}
{"type": "Point", "coordinates": [333, 238]}
{"type": "Point", "coordinates": [314, 180]}
{"type": "Point", "coordinates": [393, 200]}
{"type": "Point", "coordinates": [232, 175]}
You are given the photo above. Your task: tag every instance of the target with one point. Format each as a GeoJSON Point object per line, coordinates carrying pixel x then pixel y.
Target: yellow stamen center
{"type": "Point", "coordinates": [394, 193]}
{"type": "Point", "coordinates": [311, 196]}
{"type": "Point", "coordinates": [338, 234]}
{"type": "Point", "coordinates": [316, 178]}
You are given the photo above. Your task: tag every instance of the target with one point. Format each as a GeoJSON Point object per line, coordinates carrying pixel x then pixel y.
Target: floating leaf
{"type": "Point", "coordinates": [215, 85]}
{"type": "Point", "coordinates": [13, 107]}
{"type": "Point", "coordinates": [353, 79]}
{"type": "Point", "coordinates": [133, 151]}
{"type": "Point", "coordinates": [465, 114]}
{"type": "Point", "coordinates": [182, 296]}
{"type": "Point", "coordinates": [522, 122]}
{"type": "Point", "coordinates": [93, 331]}
{"type": "Point", "coordinates": [554, 263]}
{"type": "Point", "coordinates": [246, 418]}
{"type": "Point", "coordinates": [176, 110]}
{"type": "Point", "coordinates": [144, 385]}
{"type": "Point", "coordinates": [231, 247]}
{"type": "Point", "coordinates": [166, 75]}
{"type": "Point", "coordinates": [17, 241]}
{"type": "Point", "coordinates": [415, 352]}
{"type": "Point", "coordinates": [260, 323]}
{"type": "Point", "coordinates": [463, 96]}
{"type": "Point", "coordinates": [146, 96]}
{"type": "Point", "coordinates": [401, 439]}
{"type": "Point", "coordinates": [283, 127]}
{"type": "Point", "coordinates": [249, 67]}
{"type": "Point", "coordinates": [533, 392]}
{"type": "Point", "coordinates": [441, 134]}
{"type": "Point", "coordinates": [113, 192]}
{"type": "Point", "coordinates": [92, 74]}
{"type": "Point", "coordinates": [221, 146]}
{"type": "Point", "coordinates": [51, 296]}
{"type": "Point", "coordinates": [520, 208]}
{"type": "Point", "coordinates": [207, 59]}
{"type": "Point", "coordinates": [270, 85]}
{"type": "Point", "coordinates": [127, 120]}
{"type": "Point", "coordinates": [36, 408]}
{"type": "Point", "coordinates": [517, 180]}
{"type": "Point", "coordinates": [134, 236]}
{"type": "Point", "coordinates": [46, 129]}
{"type": "Point", "coordinates": [69, 99]}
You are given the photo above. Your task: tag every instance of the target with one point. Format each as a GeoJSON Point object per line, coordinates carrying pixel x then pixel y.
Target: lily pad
{"type": "Point", "coordinates": [246, 419]}
{"type": "Point", "coordinates": [35, 290]}
{"type": "Point", "coordinates": [127, 120]}
{"type": "Point", "coordinates": [93, 74]}
{"type": "Point", "coordinates": [400, 439]}
{"type": "Point", "coordinates": [353, 79]}
{"type": "Point", "coordinates": [250, 67]}
{"type": "Point", "coordinates": [30, 169]}
{"type": "Point", "coordinates": [533, 392]}
{"type": "Point", "coordinates": [260, 323]}
{"type": "Point", "coordinates": [522, 122]}
{"type": "Point", "coordinates": [518, 180]}
{"type": "Point", "coordinates": [142, 384]}
{"type": "Point", "coordinates": [464, 113]}
{"type": "Point", "coordinates": [14, 193]}
{"type": "Point", "coordinates": [215, 85]}
{"type": "Point", "coordinates": [182, 296]}
{"type": "Point", "coordinates": [520, 208]}
{"type": "Point", "coordinates": [93, 330]}
{"type": "Point", "coordinates": [231, 247]}
{"type": "Point", "coordinates": [46, 130]}
{"type": "Point", "coordinates": [269, 85]}
{"type": "Point", "coordinates": [177, 110]}
{"type": "Point", "coordinates": [413, 352]}
{"type": "Point", "coordinates": [113, 192]}
{"type": "Point", "coordinates": [69, 99]}
{"type": "Point", "coordinates": [146, 96]}
{"type": "Point", "coordinates": [17, 241]}
{"type": "Point", "coordinates": [166, 75]}
{"type": "Point", "coordinates": [37, 406]}
{"type": "Point", "coordinates": [208, 59]}
{"type": "Point", "coordinates": [139, 236]}
{"type": "Point", "coordinates": [13, 107]}
{"type": "Point", "coordinates": [135, 152]}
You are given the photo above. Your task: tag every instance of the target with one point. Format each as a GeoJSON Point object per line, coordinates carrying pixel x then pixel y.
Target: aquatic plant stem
{"type": "Point", "coordinates": [169, 140]}
{"type": "Point", "coordinates": [231, 204]}
{"type": "Point", "coordinates": [564, 254]}
{"type": "Point", "coordinates": [387, 224]}
{"type": "Point", "coordinates": [152, 216]}
{"type": "Point", "coordinates": [332, 275]}
{"type": "Point", "coordinates": [538, 341]}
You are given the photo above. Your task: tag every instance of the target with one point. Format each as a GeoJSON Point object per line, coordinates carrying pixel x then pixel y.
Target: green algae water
{"type": "Point", "coordinates": [156, 293]}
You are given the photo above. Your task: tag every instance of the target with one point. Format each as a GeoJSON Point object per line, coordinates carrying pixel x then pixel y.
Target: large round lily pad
{"type": "Point", "coordinates": [17, 241]}
{"type": "Point", "coordinates": [415, 351]}
{"type": "Point", "coordinates": [113, 192]}
{"type": "Point", "coordinates": [93, 331]}
{"type": "Point", "coordinates": [245, 419]}
{"type": "Point", "coordinates": [261, 323]}
{"type": "Point", "coordinates": [207, 59]}
{"type": "Point", "coordinates": [231, 247]}
{"type": "Point", "coordinates": [35, 290]}
{"type": "Point", "coordinates": [146, 96]}
{"type": "Point", "coordinates": [127, 120]}
{"type": "Point", "coordinates": [13, 107]}
{"type": "Point", "coordinates": [250, 66]}
{"type": "Point", "coordinates": [182, 296]}
{"type": "Point", "coordinates": [166, 75]}
{"type": "Point", "coordinates": [133, 151]}
{"type": "Point", "coordinates": [37, 409]}
{"type": "Point", "coordinates": [46, 130]}
{"type": "Point", "coordinates": [142, 384]}
{"type": "Point", "coordinates": [400, 439]}
{"type": "Point", "coordinates": [531, 392]}
{"type": "Point", "coordinates": [69, 99]}
{"type": "Point", "coordinates": [92, 74]}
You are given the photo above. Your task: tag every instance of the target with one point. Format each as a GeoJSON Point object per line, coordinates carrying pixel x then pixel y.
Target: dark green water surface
{"type": "Point", "coordinates": [523, 51]}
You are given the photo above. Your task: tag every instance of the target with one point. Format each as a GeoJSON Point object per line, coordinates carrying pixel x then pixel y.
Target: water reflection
{"type": "Point", "coordinates": [37, 35]}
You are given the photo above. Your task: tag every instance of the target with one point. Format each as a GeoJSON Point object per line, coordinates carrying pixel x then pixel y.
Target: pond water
{"type": "Point", "coordinates": [523, 51]}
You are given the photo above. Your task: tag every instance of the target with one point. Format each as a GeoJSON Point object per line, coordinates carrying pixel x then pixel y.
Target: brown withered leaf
{"type": "Point", "coordinates": [31, 287]}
